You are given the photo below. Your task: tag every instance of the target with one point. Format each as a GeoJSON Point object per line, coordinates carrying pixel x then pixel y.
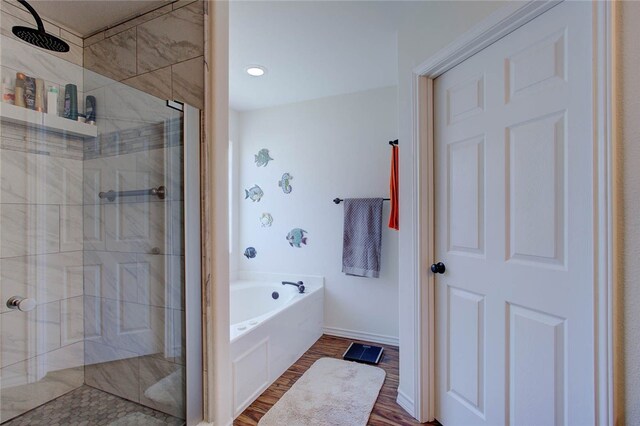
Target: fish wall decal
{"type": "Point", "coordinates": [262, 158]}
{"type": "Point", "coordinates": [285, 184]}
{"type": "Point", "coordinates": [266, 220]}
{"type": "Point", "coordinates": [296, 237]}
{"type": "Point", "coordinates": [250, 252]}
{"type": "Point", "coordinates": [254, 193]}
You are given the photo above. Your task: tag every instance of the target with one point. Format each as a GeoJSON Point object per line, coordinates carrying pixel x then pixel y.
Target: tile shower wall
{"type": "Point", "coordinates": [41, 351]}
{"type": "Point", "coordinates": [160, 52]}
{"type": "Point", "coordinates": [133, 255]}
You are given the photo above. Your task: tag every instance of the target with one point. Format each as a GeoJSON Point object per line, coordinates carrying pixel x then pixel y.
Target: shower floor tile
{"type": "Point", "coordinates": [89, 406]}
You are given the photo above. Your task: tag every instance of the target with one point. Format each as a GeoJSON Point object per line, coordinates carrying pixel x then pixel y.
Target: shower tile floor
{"type": "Point", "coordinates": [87, 406]}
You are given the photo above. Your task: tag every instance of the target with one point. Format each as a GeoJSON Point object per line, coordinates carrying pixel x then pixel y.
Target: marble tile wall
{"type": "Point", "coordinates": [41, 351]}
{"type": "Point", "coordinates": [160, 52]}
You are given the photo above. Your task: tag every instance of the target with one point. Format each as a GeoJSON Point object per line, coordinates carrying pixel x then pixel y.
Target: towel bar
{"type": "Point", "coordinates": [339, 200]}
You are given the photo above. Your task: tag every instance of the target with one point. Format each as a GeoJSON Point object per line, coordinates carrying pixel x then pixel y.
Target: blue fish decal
{"type": "Point", "coordinates": [296, 237]}
{"type": "Point", "coordinates": [254, 194]}
{"type": "Point", "coordinates": [250, 252]}
{"type": "Point", "coordinates": [263, 158]}
{"type": "Point", "coordinates": [284, 183]}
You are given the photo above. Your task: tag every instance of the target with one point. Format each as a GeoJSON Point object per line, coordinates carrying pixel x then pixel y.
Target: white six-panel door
{"type": "Point", "coordinates": [514, 180]}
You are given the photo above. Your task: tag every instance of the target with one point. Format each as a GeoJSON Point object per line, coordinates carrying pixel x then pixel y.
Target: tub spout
{"type": "Point", "coordinates": [299, 284]}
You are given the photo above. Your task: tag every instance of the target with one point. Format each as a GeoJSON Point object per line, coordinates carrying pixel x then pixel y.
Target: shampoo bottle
{"type": "Point", "coordinates": [70, 102]}
{"type": "Point", "coordinates": [8, 92]}
{"type": "Point", "coordinates": [19, 92]}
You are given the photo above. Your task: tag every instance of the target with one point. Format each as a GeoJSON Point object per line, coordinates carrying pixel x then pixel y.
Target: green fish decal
{"type": "Point", "coordinates": [263, 158]}
{"type": "Point", "coordinates": [254, 194]}
{"type": "Point", "coordinates": [266, 220]}
{"type": "Point", "coordinates": [285, 184]}
{"type": "Point", "coordinates": [296, 237]}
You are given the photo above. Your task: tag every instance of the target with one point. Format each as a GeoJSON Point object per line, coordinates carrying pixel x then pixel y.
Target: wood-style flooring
{"type": "Point", "coordinates": [385, 412]}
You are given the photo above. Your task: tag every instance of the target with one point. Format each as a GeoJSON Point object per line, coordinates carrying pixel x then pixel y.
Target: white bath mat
{"type": "Point", "coordinates": [332, 392]}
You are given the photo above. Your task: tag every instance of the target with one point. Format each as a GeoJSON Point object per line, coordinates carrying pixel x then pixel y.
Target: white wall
{"type": "Point", "coordinates": [425, 32]}
{"type": "Point", "coordinates": [333, 147]}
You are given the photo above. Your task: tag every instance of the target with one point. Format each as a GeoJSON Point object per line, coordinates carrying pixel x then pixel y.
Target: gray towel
{"type": "Point", "coordinates": [362, 238]}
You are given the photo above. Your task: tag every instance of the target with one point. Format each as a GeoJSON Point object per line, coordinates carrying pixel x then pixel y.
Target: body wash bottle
{"type": "Point", "coordinates": [39, 95]}
{"type": "Point", "coordinates": [52, 100]}
{"type": "Point", "coordinates": [30, 92]}
{"type": "Point", "coordinates": [90, 109]}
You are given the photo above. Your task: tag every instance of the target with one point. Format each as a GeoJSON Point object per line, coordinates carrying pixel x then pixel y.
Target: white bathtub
{"type": "Point", "coordinates": [268, 335]}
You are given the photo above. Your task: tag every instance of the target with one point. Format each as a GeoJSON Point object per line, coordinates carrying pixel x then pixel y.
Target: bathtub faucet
{"type": "Point", "coordinates": [299, 284]}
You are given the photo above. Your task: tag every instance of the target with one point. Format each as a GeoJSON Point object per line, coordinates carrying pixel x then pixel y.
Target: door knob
{"type": "Point", "coordinates": [438, 268]}
{"type": "Point", "coordinates": [24, 304]}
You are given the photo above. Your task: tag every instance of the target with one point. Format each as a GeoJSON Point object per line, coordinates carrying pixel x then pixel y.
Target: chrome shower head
{"type": "Point", "coordinates": [38, 36]}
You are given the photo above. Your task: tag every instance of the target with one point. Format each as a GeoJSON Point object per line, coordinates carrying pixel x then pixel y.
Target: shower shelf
{"type": "Point", "coordinates": [49, 122]}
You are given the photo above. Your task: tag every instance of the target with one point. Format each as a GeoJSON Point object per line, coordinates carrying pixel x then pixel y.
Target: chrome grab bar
{"type": "Point", "coordinates": [160, 192]}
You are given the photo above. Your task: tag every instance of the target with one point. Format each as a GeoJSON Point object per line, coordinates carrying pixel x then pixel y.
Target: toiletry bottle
{"type": "Point", "coordinates": [70, 102]}
{"type": "Point", "coordinates": [30, 92]}
{"type": "Point", "coordinates": [8, 92]}
{"type": "Point", "coordinates": [52, 100]}
{"type": "Point", "coordinates": [39, 94]}
{"type": "Point", "coordinates": [19, 92]}
{"type": "Point", "coordinates": [90, 109]}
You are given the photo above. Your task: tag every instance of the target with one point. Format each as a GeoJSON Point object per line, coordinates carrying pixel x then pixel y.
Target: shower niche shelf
{"type": "Point", "coordinates": [48, 122]}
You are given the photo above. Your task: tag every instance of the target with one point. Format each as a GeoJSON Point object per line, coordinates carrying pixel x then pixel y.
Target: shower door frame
{"type": "Point", "coordinates": [192, 255]}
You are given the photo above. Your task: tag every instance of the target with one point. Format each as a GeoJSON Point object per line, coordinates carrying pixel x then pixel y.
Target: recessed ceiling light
{"type": "Point", "coordinates": [256, 70]}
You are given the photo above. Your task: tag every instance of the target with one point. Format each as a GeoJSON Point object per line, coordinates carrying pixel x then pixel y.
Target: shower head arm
{"type": "Point", "coordinates": [34, 13]}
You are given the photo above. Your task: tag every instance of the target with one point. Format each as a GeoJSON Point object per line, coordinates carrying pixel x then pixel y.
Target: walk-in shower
{"type": "Point", "coordinates": [99, 254]}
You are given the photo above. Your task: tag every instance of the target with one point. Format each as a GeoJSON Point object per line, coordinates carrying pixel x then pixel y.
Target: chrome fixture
{"type": "Point", "coordinates": [299, 284]}
{"type": "Point", "coordinates": [38, 36]}
{"type": "Point", "coordinates": [24, 304]}
{"type": "Point", "coordinates": [160, 192]}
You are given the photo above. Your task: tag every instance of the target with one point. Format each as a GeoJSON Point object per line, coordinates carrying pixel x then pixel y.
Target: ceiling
{"type": "Point", "coordinates": [86, 17]}
{"type": "Point", "coordinates": [311, 49]}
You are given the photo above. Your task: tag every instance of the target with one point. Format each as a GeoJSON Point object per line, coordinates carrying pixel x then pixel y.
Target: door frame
{"type": "Point", "coordinates": [497, 25]}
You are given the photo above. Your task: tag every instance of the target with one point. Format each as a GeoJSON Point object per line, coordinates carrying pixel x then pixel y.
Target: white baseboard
{"type": "Point", "coordinates": [361, 335]}
{"type": "Point", "coordinates": [204, 423]}
{"type": "Point", "coordinates": [406, 403]}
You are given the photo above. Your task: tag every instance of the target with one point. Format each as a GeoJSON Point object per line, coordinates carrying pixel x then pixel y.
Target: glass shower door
{"type": "Point", "coordinates": [134, 252]}
{"type": "Point", "coordinates": [94, 305]}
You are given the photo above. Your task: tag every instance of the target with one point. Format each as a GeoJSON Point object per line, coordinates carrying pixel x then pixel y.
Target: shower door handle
{"type": "Point", "coordinates": [24, 304]}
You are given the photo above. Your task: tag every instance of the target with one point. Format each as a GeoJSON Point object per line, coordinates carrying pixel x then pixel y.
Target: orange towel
{"type": "Point", "coordinates": [393, 186]}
